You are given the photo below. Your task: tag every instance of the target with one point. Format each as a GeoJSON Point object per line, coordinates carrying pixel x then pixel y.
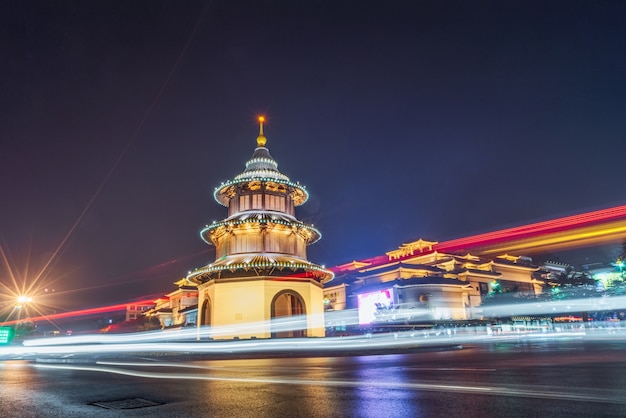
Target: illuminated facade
{"type": "Point", "coordinates": [178, 308]}
{"type": "Point", "coordinates": [447, 280]}
{"type": "Point", "coordinates": [260, 271]}
{"type": "Point", "coordinates": [417, 282]}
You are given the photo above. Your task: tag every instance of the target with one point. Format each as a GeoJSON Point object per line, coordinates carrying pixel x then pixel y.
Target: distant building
{"type": "Point", "coordinates": [177, 308]}
{"type": "Point", "coordinates": [551, 270]}
{"type": "Point", "coordinates": [261, 271]}
{"type": "Point", "coordinates": [608, 276]}
{"type": "Point", "coordinates": [417, 283]}
{"type": "Point", "coordinates": [135, 310]}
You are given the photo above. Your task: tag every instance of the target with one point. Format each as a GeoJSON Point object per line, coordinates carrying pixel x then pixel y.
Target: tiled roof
{"type": "Point", "coordinates": [413, 282]}
{"type": "Point", "coordinates": [189, 308]}
{"type": "Point", "coordinates": [399, 265]}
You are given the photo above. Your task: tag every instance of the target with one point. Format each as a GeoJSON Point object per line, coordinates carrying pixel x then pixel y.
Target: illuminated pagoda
{"type": "Point", "coordinates": [260, 271]}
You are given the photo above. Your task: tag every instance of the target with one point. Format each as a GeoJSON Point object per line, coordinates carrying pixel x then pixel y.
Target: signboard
{"type": "Point", "coordinates": [369, 303]}
{"type": "Point", "coordinates": [6, 334]}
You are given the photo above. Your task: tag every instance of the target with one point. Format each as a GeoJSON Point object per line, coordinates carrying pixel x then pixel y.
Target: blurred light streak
{"type": "Point", "coordinates": [278, 325]}
{"type": "Point", "coordinates": [587, 225]}
{"type": "Point", "coordinates": [531, 308]}
{"type": "Point", "coordinates": [336, 345]}
{"type": "Point", "coordinates": [534, 308]}
{"type": "Point", "coordinates": [330, 346]}
{"type": "Point", "coordinates": [569, 232]}
{"type": "Point", "coordinates": [16, 288]}
{"type": "Point", "coordinates": [135, 277]}
{"type": "Point", "coordinates": [234, 347]}
{"type": "Point", "coordinates": [190, 340]}
{"type": "Point", "coordinates": [82, 312]}
{"type": "Point", "coordinates": [565, 393]}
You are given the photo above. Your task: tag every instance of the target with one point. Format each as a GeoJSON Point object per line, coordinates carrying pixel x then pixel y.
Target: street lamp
{"type": "Point", "coordinates": [23, 300]}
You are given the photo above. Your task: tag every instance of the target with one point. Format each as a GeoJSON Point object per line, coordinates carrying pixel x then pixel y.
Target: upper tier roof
{"type": "Point", "coordinates": [262, 167]}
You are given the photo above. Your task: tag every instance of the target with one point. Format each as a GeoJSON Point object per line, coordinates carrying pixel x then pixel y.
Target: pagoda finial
{"type": "Point", "coordinates": [261, 139]}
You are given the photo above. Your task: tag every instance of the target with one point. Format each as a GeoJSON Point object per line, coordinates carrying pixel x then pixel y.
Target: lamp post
{"type": "Point", "coordinates": [22, 303]}
{"type": "Point", "coordinates": [22, 300]}
{"type": "Point", "coordinates": [23, 326]}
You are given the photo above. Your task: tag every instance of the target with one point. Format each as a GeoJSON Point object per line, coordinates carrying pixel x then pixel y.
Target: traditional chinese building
{"type": "Point", "coordinates": [261, 271]}
{"type": "Point", "coordinates": [178, 308]}
{"type": "Point", "coordinates": [418, 283]}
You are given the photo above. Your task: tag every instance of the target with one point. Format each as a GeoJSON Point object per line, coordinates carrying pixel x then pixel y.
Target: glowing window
{"type": "Point", "coordinates": [257, 201]}
{"type": "Point", "coordinates": [244, 202]}
{"type": "Point", "coordinates": [276, 203]}
{"type": "Point", "coordinates": [243, 243]}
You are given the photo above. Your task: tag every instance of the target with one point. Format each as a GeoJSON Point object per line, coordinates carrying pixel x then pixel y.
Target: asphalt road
{"type": "Point", "coordinates": [571, 377]}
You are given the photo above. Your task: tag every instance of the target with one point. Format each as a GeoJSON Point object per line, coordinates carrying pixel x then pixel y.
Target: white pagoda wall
{"type": "Point", "coordinates": [243, 306]}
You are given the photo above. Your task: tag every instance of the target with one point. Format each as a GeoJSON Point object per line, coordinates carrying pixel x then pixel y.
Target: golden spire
{"type": "Point", "coordinates": [261, 139]}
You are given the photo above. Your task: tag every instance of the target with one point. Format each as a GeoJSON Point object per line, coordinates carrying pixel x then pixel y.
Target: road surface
{"type": "Point", "coordinates": [568, 377]}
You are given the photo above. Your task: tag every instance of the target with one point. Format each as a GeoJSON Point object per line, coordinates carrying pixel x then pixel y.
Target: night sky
{"type": "Point", "coordinates": [406, 119]}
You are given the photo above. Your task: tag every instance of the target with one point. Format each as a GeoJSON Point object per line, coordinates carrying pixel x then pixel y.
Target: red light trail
{"type": "Point", "coordinates": [563, 233]}
{"type": "Point", "coordinates": [83, 312]}
{"type": "Point", "coordinates": [539, 229]}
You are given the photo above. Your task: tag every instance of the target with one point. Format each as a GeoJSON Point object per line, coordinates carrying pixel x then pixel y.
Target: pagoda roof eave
{"type": "Point", "coordinates": [315, 234]}
{"type": "Point", "coordinates": [245, 265]}
{"type": "Point", "coordinates": [222, 197]}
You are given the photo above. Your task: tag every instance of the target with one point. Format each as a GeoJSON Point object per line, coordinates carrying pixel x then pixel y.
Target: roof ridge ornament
{"type": "Point", "coordinates": [261, 140]}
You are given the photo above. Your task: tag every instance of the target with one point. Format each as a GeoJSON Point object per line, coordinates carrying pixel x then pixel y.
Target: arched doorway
{"type": "Point", "coordinates": [288, 303]}
{"type": "Point", "coordinates": [205, 312]}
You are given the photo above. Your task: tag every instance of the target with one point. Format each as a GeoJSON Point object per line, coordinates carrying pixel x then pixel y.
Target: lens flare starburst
{"type": "Point", "coordinates": [23, 292]}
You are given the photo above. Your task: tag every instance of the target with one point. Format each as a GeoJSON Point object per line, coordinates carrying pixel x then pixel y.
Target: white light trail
{"type": "Point", "coordinates": [567, 394]}
{"type": "Point", "coordinates": [331, 346]}
{"type": "Point", "coordinates": [347, 318]}
{"type": "Point", "coordinates": [194, 340]}
{"type": "Point", "coordinates": [535, 308]}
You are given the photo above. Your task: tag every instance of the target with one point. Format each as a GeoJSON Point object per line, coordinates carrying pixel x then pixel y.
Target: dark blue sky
{"type": "Point", "coordinates": [433, 119]}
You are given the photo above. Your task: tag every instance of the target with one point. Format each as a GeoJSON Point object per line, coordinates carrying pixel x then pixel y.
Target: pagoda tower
{"type": "Point", "coordinates": [261, 271]}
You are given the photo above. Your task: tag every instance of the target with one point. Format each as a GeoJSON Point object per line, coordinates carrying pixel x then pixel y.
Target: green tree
{"type": "Point", "coordinates": [571, 284]}
{"type": "Point", "coordinates": [620, 264]}
{"type": "Point", "coordinates": [501, 302]}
